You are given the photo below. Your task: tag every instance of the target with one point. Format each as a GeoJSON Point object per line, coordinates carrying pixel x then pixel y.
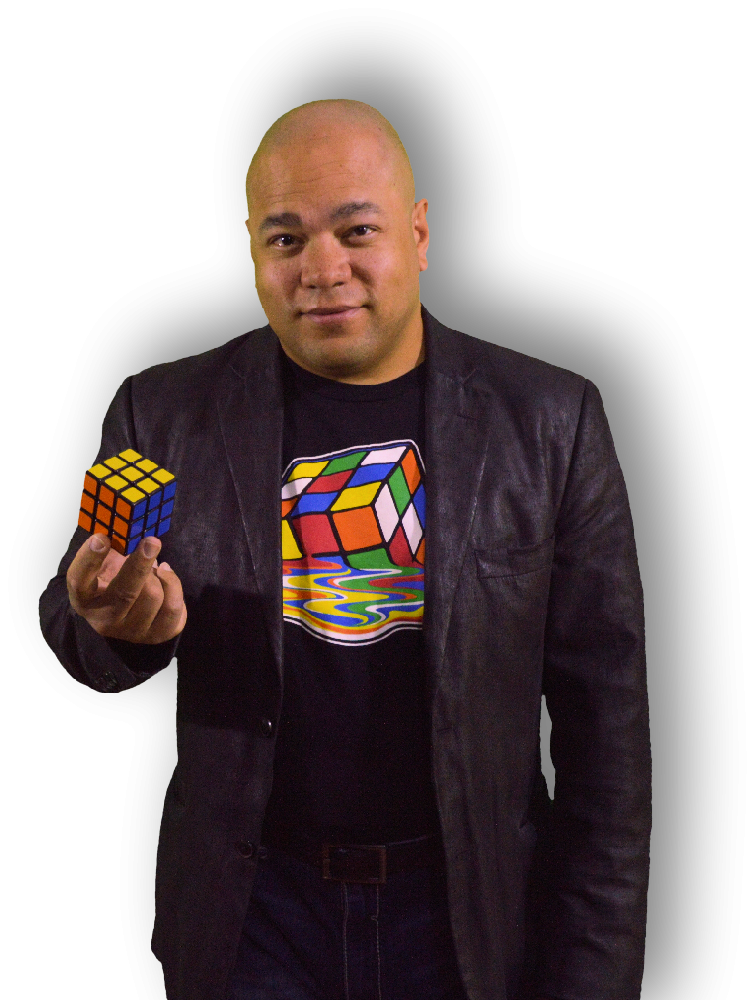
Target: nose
{"type": "Point", "coordinates": [324, 264]}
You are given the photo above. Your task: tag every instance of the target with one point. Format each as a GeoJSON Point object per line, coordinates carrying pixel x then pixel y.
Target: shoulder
{"type": "Point", "coordinates": [502, 377]}
{"type": "Point", "coordinates": [189, 380]}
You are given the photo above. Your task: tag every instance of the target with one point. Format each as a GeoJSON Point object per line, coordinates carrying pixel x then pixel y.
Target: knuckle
{"type": "Point", "coordinates": [128, 589]}
{"type": "Point", "coordinates": [122, 597]}
{"type": "Point", "coordinates": [172, 606]}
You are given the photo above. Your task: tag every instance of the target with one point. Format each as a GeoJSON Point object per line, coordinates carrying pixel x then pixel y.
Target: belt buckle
{"type": "Point", "coordinates": [359, 863]}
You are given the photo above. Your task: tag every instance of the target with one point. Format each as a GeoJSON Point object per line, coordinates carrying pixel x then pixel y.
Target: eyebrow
{"type": "Point", "coordinates": [292, 219]}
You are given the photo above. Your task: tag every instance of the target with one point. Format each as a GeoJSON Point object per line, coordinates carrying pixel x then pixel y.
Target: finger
{"type": "Point", "coordinates": [81, 577]}
{"type": "Point", "coordinates": [155, 568]}
{"type": "Point", "coordinates": [158, 613]}
{"type": "Point", "coordinates": [125, 587]}
{"type": "Point", "coordinates": [171, 617]}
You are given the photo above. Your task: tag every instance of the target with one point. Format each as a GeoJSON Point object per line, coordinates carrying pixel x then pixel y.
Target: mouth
{"type": "Point", "coordinates": [331, 313]}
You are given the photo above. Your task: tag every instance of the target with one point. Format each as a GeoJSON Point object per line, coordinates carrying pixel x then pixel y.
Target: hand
{"type": "Point", "coordinates": [126, 598]}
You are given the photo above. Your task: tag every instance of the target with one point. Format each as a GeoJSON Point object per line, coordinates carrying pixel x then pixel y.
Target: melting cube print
{"type": "Point", "coordinates": [127, 497]}
{"type": "Point", "coordinates": [353, 542]}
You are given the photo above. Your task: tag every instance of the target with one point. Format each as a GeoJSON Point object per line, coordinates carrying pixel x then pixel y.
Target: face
{"type": "Point", "coordinates": [338, 245]}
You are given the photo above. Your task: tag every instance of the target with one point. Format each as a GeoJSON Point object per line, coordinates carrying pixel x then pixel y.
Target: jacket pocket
{"type": "Point", "coordinates": [501, 562]}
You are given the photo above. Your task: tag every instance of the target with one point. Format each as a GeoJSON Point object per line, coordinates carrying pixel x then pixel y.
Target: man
{"type": "Point", "coordinates": [358, 808]}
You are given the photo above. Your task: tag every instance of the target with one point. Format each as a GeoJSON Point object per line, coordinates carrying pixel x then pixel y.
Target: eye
{"type": "Point", "coordinates": [287, 236]}
{"type": "Point", "coordinates": [361, 230]}
{"type": "Point", "coordinates": [283, 237]}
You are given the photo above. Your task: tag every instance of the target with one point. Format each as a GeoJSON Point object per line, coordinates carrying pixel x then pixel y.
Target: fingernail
{"type": "Point", "coordinates": [151, 548]}
{"type": "Point", "coordinates": [164, 565]}
{"type": "Point", "coordinates": [97, 543]}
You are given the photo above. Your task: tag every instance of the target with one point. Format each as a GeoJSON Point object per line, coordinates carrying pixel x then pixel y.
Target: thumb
{"type": "Point", "coordinates": [99, 544]}
{"type": "Point", "coordinates": [95, 555]}
{"type": "Point", "coordinates": [82, 573]}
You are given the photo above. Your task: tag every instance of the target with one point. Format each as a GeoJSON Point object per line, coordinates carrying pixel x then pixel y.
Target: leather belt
{"type": "Point", "coordinates": [369, 864]}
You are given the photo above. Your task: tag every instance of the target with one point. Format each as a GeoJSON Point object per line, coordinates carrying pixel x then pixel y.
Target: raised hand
{"type": "Point", "coordinates": [126, 597]}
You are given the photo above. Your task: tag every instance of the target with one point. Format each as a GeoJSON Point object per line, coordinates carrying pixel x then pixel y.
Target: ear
{"type": "Point", "coordinates": [421, 232]}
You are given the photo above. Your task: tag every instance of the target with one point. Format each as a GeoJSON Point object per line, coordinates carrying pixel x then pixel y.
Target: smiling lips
{"type": "Point", "coordinates": [331, 313]}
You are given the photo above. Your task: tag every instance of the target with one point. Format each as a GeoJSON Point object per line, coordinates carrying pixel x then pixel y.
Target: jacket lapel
{"type": "Point", "coordinates": [251, 417]}
{"type": "Point", "coordinates": [456, 444]}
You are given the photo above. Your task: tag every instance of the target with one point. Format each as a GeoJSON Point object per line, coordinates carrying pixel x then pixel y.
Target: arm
{"type": "Point", "coordinates": [112, 622]}
{"type": "Point", "coordinates": [592, 907]}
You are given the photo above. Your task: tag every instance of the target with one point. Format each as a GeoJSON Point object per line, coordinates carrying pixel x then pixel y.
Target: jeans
{"type": "Point", "coordinates": [307, 938]}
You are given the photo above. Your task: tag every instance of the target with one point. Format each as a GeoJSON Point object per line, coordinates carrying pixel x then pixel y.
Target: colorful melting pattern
{"type": "Point", "coordinates": [353, 542]}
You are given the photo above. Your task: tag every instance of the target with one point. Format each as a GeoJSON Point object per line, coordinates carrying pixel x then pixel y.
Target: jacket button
{"type": "Point", "coordinates": [266, 726]}
{"type": "Point", "coordinates": [246, 849]}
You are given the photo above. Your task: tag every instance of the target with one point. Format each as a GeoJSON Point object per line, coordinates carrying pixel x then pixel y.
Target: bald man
{"type": "Point", "coordinates": [389, 540]}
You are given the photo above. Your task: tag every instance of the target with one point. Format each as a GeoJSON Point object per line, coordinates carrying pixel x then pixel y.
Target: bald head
{"type": "Point", "coordinates": [330, 122]}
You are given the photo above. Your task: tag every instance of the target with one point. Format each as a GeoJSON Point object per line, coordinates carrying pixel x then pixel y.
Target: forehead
{"type": "Point", "coordinates": [317, 174]}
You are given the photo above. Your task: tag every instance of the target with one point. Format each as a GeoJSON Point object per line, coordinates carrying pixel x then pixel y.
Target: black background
{"type": "Point", "coordinates": [546, 236]}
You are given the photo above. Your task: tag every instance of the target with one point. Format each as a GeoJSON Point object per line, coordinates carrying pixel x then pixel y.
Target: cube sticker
{"type": "Point", "coordinates": [353, 542]}
{"type": "Point", "coordinates": [127, 497]}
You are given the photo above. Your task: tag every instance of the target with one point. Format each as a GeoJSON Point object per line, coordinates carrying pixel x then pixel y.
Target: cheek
{"type": "Point", "coordinates": [380, 269]}
{"type": "Point", "coordinates": [274, 283]}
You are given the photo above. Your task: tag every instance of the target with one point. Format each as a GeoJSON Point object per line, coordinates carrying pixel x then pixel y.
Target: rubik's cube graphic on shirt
{"type": "Point", "coordinates": [353, 542]}
{"type": "Point", "coordinates": [127, 497]}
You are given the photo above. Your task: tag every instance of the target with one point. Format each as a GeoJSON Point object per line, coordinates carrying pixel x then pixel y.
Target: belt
{"type": "Point", "coordinates": [364, 863]}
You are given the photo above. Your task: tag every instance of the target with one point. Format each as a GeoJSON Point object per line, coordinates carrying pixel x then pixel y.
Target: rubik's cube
{"type": "Point", "coordinates": [127, 497]}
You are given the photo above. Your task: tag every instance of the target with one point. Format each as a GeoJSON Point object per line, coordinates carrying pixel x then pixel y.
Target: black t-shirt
{"type": "Point", "coordinates": [353, 759]}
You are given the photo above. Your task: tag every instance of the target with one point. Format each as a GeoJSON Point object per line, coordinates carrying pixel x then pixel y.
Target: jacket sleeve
{"type": "Point", "coordinates": [592, 907]}
{"type": "Point", "coordinates": [100, 663]}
